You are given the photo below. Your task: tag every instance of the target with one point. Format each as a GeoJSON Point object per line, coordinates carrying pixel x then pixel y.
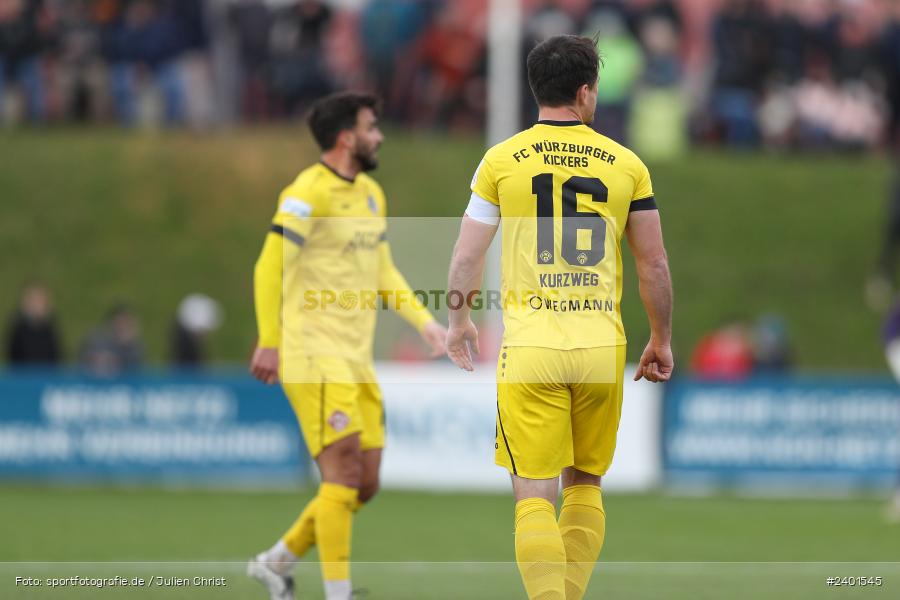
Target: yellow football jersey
{"type": "Point", "coordinates": [335, 263]}
{"type": "Point", "coordinates": [565, 193]}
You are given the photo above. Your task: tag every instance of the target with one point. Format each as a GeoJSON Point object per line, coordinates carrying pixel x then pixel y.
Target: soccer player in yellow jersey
{"type": "Point", "coordinates": [566, 196]}
{"type": "Point", "coordinates": [324, 262]}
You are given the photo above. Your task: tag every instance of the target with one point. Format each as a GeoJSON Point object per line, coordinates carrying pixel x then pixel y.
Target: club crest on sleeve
{"type": "Point", "coordinates": [373, 206]}
{"type": "Point", "coordinates": [339, 420]}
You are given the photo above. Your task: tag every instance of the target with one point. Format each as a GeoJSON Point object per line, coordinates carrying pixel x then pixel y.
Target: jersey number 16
{"type": "Point", "coordinates": [572, 220]}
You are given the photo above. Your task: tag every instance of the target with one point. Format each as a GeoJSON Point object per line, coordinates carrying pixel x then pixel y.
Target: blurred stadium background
{"type": "Point", "coordinates": [143, 145]}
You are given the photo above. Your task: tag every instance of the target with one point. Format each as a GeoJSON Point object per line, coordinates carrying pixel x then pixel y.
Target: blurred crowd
{"type": "Point", "coordinates": [783, 73]}
{"type": "Point", "coordinates": [734, 351]}
{"type": "Point", "coordinates": [115, 346]}
{"type": "Point", "coordinates": [809, 73]}
{"type": "Point", "coordinates": [738, 349]}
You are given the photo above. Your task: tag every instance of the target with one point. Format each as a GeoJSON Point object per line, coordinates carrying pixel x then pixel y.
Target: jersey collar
{"type": "Point", "coordinates": [336, 174]}
{"type": "Point", "coordinates": [560, 123]}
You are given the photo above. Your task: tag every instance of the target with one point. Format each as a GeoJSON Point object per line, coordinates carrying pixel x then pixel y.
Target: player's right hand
{"type": "Point", "coordinates": [462, 340]}
{"type": "Point", "coordinates": [264, 365]}
{"type": "Point", "coordinates": [657, 363]}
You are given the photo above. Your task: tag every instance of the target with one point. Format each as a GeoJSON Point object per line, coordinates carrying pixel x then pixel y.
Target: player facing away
{"type": "Point", "coordinates": [328, 241]}
{"type": "Point", "coordinates": [565, 196]}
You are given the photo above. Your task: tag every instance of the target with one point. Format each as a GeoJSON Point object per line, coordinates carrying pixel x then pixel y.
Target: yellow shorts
{"type": "Point", "coordinates": [337, 399]}
{"type": "Point", "coordinates": [558, 408]}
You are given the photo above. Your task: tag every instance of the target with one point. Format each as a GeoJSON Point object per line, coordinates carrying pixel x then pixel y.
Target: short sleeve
{"type": "Point", "coordinates": [643, 187]}
{"type": "Point", "coordinates": [642, 198]}
{"type": "Point", "coordinates": [484, 182]}
{"type": "Point", "coordinates": [294, 217]}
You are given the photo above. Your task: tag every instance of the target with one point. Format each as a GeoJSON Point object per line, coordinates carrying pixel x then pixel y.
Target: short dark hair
{"type": "Point", "coordinates": [333, 114]}
{"type": "Point", "coordinates": [559, 66]}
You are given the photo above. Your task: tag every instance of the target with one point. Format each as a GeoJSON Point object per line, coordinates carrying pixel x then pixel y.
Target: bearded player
{"type": "Point", "coordinates": [324, 262]}
{"type": "Point", "coordinates": [566, 196]}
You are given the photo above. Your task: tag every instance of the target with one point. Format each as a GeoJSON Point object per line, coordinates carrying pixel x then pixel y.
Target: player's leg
{"type": "Point", "coordinates": [341, 466]}
{"type": "Point", "coordinates": [325, 400]}
{"type": "Point", "coordinates": [582, 525]}
{"type": "Point", "coordinates": [370, 482]}
{"type": "Point", "coordinates": [596, 407]}
{"type": "Point", "coordinates": [302, 534]}
{"type": "Point", "coordinates": [326, 520]}
{"type": "Point", "coordinates": [273, 567]}
{"type": "Point", "coordinates": [355, 467]}
{"type": "Point", "coordinates": [540, 553]}
{"type": "Point", "coordinates": [534, 443]}
{"type": "Point", "coordinates": [371, 409]}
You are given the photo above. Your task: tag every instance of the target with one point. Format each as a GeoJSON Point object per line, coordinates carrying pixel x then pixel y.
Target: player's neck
{"type": "Point", "coordinates": [341, 163]}
{"type": "Point", "coordinates": [558, 113]}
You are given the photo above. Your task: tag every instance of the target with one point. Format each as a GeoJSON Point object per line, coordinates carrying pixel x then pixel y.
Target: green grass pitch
{"type": "Point", "coordinates": [445, 546]}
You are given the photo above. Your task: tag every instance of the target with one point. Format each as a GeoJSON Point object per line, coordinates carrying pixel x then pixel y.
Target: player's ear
{"type": "Point", "coordinates": [345, 138]}
{"type": "Point", "coordinates": [583, 96]}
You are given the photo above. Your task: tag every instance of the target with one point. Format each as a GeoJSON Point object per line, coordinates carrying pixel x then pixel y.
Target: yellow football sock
{"type": "Point", "coordinates": [302, 534]}
{"type": "Point", "coordinates": [539, 550]}
{"type": "Point", "coordinates": [582, 524]}
{"type": "Point", "coordinates": [333, 527]}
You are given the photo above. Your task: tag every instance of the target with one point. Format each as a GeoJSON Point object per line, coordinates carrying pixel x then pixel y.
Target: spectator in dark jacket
{"type": "Point", "coordinates": [33, 338]}
{"type": "Point", "coordinates": [791, 40]}
{"type": "Point", "coordinates": [146, 43]}
{"type": "Point", "coordinates": [741, 54]}
{"type": "Point", "coordinates": [299, 71]}
{"type": "Point", "coordinates": [252, 24]}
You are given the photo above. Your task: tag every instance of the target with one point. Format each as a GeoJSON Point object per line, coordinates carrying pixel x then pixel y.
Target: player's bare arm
{"type": "Point", "coordinates": [466, 273]}
{"type": "Point", "coordinates": [644, 231]}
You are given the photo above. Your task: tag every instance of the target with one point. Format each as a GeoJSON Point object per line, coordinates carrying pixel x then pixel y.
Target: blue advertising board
{"type": "Point", "coordinates": [786, 433]}
{"type": "Point", "coordinates": [206, 429]}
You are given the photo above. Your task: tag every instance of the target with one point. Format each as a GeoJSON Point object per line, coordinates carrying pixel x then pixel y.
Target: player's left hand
{"type": "Point", "coordinates": [461, 342]}
{"type": "Point", "coordinates": [656, 363]}
{"type": "Point", "coordinates": [435, 335]}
